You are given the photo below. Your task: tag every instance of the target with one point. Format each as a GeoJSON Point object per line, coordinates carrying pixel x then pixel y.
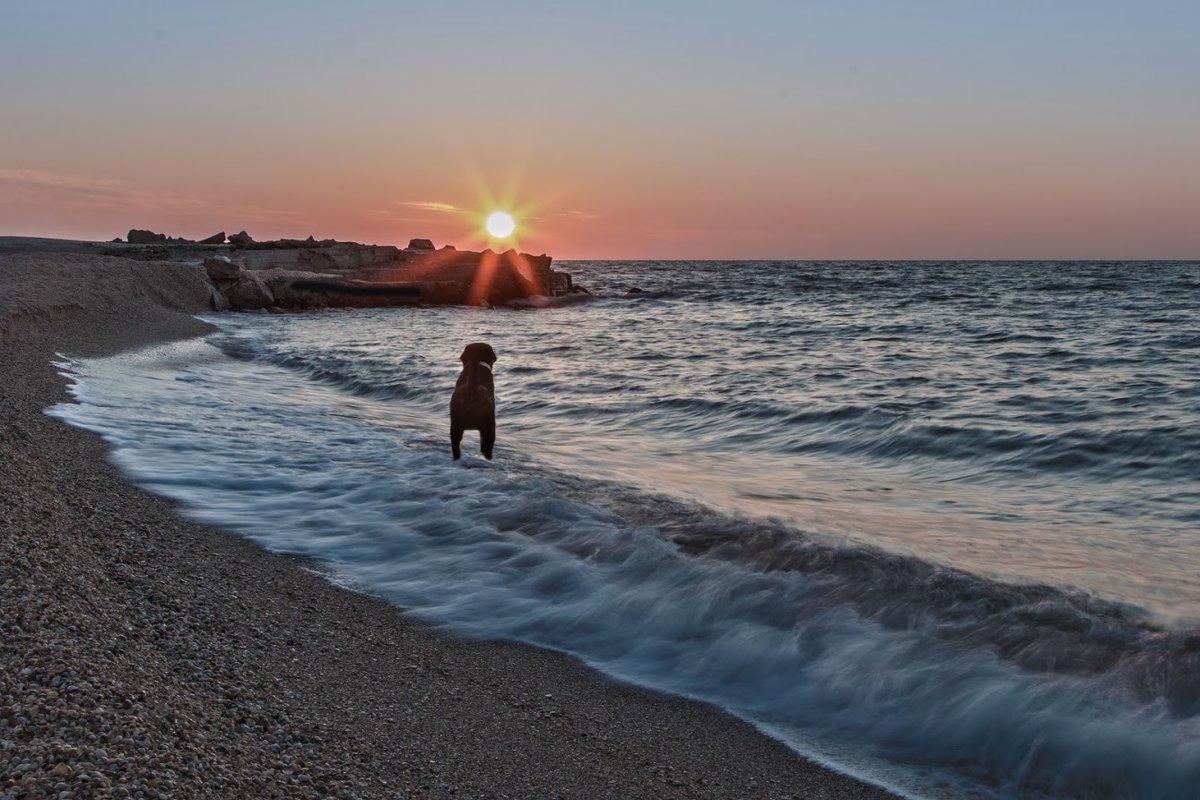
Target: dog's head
{"type": "Point", "coordinates": [478, 351]}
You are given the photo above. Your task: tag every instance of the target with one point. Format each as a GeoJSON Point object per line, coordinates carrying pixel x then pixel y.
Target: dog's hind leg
{"type": "Point", "coordinates": [456, 434]}
{"type": "Point", "coordinates": [487, 440]}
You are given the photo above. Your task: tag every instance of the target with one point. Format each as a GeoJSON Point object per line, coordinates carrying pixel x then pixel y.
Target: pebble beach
{"type": "Point", "coordinates": [142, 655]}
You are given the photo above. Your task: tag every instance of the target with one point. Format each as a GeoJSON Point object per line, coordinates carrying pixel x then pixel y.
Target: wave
{"type": "Point", "coordinates": [885, 433]}
{"type": "Point", "coordinates": [1167, 452]}
{"type": "Point", "coordinates": [895, 668]}
{"type": "Point", "coordinates": [358, 374]}
{"type": "Point", "coordinates": [1041, 629]}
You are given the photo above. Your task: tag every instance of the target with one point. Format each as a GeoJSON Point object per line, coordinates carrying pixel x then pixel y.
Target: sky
{"type": "Point", "coordinates": [656, 129]}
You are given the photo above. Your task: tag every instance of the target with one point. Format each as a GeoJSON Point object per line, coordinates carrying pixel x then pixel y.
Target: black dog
{"type": "Point", "coordinates": [473, 404]}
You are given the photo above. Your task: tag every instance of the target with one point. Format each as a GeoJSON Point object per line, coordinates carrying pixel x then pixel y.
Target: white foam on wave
{"type": "Point", "coordinates": [500, 551]}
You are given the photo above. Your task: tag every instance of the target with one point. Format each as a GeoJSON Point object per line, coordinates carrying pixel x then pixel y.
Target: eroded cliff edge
{"type": "Point", "coordinates": [352, 275]}
{"type": "Point", "coordinates": [291, 274]}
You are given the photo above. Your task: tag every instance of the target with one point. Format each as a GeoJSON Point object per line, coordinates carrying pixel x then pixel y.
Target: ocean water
{"type": "Point", "coordinates": [936, 525]}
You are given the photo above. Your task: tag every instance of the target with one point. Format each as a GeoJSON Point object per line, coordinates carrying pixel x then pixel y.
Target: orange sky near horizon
{"type": "Point", "coordinates": [769, 132]}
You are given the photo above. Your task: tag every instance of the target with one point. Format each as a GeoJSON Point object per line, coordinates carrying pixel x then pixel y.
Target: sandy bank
{"type": "Point", "coordinates": [142, 653]}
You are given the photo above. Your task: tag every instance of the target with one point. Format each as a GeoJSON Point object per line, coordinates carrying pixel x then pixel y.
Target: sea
{"type": "Point", "coordinates": [935, 525]}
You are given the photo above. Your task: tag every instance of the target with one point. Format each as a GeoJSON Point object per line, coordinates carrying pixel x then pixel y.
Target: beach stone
{"type": "Point", "coordinates": [241, 237]}
{"type": "Point", "coordinates": [420, 244]}
{"type": "Point", "coordinates": [218, 300]}
{"type": "Point", "coordinates": [216, 238]}
{"type": "Point", "coordinates": [137, 236]}
{"type": "Point", "coordinates": [220, 268]}
{"type": "Point", "coordinates": [249, 292]}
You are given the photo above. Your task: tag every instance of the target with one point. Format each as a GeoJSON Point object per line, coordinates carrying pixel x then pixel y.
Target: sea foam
{"type": "Point", "coordinates": [911, 673]}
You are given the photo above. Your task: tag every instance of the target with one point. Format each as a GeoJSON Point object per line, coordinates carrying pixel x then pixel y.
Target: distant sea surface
{"type": "Point", "coordinates": [937, 525]}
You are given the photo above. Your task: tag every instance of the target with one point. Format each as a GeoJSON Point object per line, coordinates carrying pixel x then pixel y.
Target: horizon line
{"type": "Point", "coordinates": [745, 259]}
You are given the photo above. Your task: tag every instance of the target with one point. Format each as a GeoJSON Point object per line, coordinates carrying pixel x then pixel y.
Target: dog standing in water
{"type": "Point", "coordinates": [473, 404]}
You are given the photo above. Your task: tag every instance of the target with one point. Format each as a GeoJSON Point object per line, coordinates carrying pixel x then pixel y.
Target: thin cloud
{"type": "Point", "coordinates": [430, 205]}
{"type": "Point", "coordinates": [20, 186]}
{"type": "Point", "coordinates": [30, 187]}
{"type": "Point", "coordinates": [391, 215]}
{"type": "Point", "coordinates": [578, 215]}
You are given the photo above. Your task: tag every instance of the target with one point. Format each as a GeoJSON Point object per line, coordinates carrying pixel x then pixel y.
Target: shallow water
{"type": "Point", "coordinates": [935, 524]}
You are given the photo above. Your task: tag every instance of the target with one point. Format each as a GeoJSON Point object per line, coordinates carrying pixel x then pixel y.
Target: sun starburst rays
{"type": "Point", "coordinates": [495, 225]}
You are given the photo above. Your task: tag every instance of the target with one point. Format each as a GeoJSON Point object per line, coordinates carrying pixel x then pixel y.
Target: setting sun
{"type": "Point", "coordinates": [500, 225]}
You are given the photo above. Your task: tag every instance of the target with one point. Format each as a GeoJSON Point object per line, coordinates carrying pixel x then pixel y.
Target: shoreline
{"type": "Point", "coordinates": [144, 652]}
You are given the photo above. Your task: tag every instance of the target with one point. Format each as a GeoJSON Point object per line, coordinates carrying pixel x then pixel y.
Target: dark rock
{"type": "Point", "coordinates": [117, 240]}
{"type": "Point", "coordinates": [420, 244]}
{"type": "Point", "coordinates": [560, 283]}
{"type": "Point", "coordinates": [145, 253]}
{"type": "Point", "coordinates": [283, 244]}
{"type": "Point", "coordinates": [347, 275]}
{"type": "Point", "coordinates": [218, 301]}
{"type": "Point", "coordinates": [241, 238]}
{"type": "Point", "coordinates": [145, 237]}
{"type": "Point", "coordinates": [449, 247]}
{"type": "Point", "coordinates": [316, 260]}
{"type": "Point", "coordinates": [221, 269]}
{"type": "Point", "coordinates": [216, 238]}
{"type": "Point", "coordinates": [249, 292]}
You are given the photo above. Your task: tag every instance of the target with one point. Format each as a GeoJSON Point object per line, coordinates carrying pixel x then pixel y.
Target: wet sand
{"type": "Point", "coordinates": [144, 655]}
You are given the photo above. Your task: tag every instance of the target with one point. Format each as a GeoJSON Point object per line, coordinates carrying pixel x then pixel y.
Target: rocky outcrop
{"type": "Point", "coordinates": [315, 290]}
{"type": "Point", "coordinates": [306, 273]}
{"type": "Point", "coordinates": [359, 261]}
{"type": "Point", "coordinates": [247, 292]}
{"type": "Point", "coordinates": [481, 279]}
{"type": "Point", "coordinates": [291, 244]}
{"type": "Point", "coordinates": [221, 269]}
{"type": "Point", "coordinates": [283, 289]}
{"type": "Point", "coordinates": [327, 278]}
{"type": "Point", "coordinates": [137, 236]}
{"type": "Point", "coordinates": [237, 288]}
{"type": "Point", "coordinates": [218, 301]}
{"type": "Point", "coordinates": [562, 285]}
